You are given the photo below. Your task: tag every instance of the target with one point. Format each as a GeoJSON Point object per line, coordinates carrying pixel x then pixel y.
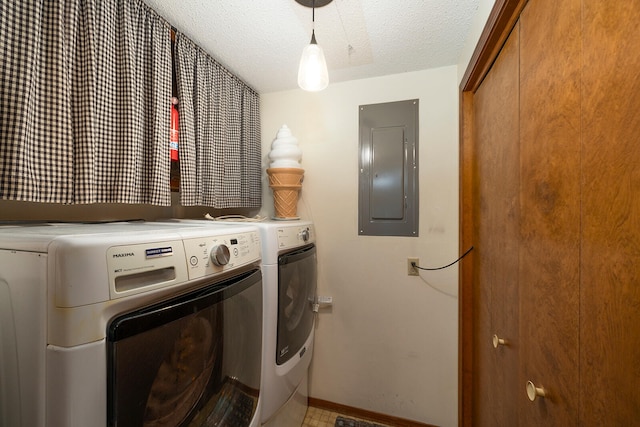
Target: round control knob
{"type": "Point", "coordinates": [533, 392]}
{"type": "Point", "coordinates": [220, 255]}
{"type": "Point", "coordinates": [305, 234]}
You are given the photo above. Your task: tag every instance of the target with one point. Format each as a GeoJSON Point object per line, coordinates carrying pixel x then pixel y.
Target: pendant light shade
{"type": "Point", "coordinates": [312, 72]}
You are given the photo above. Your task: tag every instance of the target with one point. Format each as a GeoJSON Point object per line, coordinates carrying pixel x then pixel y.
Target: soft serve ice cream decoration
{"type": "Point", "coordinates": [285, 174]}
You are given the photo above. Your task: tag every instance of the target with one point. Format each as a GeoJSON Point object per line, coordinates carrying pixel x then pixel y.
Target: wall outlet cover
{"type": "Point", "coordinates": [411, 270]}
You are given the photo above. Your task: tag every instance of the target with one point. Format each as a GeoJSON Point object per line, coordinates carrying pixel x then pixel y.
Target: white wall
{"type": "Point", "coordinates": [477, 25]}
{"type": "Point", "coordinates": [389, 344]}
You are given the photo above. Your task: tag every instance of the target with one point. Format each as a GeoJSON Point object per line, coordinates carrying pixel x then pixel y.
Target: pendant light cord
{"type": "Point", "coordinates": [313, 22]}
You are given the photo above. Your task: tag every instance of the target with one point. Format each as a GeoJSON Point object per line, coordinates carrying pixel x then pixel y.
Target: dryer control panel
{"type": "Point", "coordinates": [293, 237]}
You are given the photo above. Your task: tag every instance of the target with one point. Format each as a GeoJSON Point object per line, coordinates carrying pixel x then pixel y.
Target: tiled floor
{"type": "Point", "coordinates": [320, 418]}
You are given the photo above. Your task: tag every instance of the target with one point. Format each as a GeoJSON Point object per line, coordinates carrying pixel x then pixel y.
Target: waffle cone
{"type": "Point", "coordinates": [286, 184]}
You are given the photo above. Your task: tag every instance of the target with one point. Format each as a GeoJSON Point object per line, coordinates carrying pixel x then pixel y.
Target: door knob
{"type": "Point", "coordinates": [498, 341]}
{"type": "Point", "coordinates": [533, 392]}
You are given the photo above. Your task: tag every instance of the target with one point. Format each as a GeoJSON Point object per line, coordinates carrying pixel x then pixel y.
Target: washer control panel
{"type": "Point", "coordinates": [293, 237]}
{"type": "Point", "coordinates": [215, 254]}
{"type": "Point", "coordinates": [139, 267]}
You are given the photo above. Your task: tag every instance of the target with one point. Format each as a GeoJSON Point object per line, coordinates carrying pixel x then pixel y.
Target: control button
{"type": "Point", "coordinates": [193, 260]}
{"type": "Point", "coordinates": [305, 234]}
{"type": "Point", "coordinates": [220, 255]}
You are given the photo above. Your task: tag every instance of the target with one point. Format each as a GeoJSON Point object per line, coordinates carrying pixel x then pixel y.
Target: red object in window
{"type": "Point", "coordinates": [174, 174]}
{"type": "Point", "coordinates": [173, 143]}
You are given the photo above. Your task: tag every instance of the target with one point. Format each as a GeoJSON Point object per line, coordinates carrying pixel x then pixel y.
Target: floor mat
{"type": "Point", "coordinates": [348, 422]}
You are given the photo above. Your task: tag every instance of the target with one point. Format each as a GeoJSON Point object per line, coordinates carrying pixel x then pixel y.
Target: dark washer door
{"type": "Point", "coordinates": [297, 278]}
{"type": "Point", "coordinates": [194, 360]}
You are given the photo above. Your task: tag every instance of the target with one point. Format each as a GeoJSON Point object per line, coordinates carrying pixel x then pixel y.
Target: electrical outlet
{"type": "Point", "coordinates": [411, 270]}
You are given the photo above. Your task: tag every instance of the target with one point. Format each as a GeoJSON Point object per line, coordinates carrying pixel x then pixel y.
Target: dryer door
{"type": "Point", "coordinates": [297, 278]}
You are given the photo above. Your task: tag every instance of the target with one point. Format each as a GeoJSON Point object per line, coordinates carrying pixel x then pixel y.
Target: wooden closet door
{"type": "Point", "coordinates": [610, 294]}
{"type": "Point", "coordinates": [496, 240]}
{"type": "Point", "coordinates": [550, 210]}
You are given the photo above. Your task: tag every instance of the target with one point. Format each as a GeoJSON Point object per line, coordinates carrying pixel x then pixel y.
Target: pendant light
{"type": "Point", "coordinates": [312, 72]}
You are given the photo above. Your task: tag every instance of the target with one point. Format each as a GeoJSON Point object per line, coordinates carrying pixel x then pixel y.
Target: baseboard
{"type": "Point", "coordinates": [364, 414]}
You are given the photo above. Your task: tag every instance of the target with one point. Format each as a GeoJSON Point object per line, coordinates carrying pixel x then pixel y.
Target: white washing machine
{"type": "Point", "coordinates": [289, 268]}
{"type": "Point", "coordinates": [130, 324]}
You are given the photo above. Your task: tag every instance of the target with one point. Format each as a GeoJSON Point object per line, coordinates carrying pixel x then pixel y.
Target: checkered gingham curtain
{"type": "Point", "coordinates": [86, 89]}
{"type": "Point", "coordinates": [220, 164]}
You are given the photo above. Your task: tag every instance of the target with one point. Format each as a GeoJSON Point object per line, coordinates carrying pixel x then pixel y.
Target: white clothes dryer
{"type": "Point", "coordinates": [289, 259]}
{"type": "Point", "coordinates": [130, 324]}
{"type": "Point", "coordinates": [289, 269]}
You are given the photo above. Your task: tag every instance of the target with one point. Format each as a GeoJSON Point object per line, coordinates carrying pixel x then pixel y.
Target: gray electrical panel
{"type": "Point", "coordinates": [388, 179]}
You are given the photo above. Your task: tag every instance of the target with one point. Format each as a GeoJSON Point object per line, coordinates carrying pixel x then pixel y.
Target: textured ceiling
{"type": "Point", "coordinates": [261, 40]}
